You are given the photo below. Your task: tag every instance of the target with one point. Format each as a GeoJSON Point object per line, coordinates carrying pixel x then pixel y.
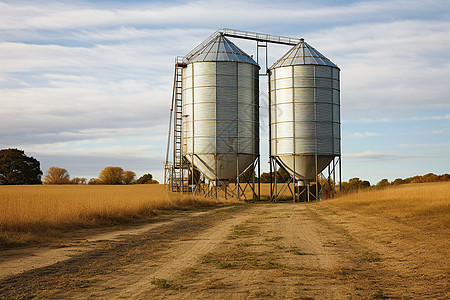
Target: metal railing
{"type": "Point", "coordinates": [255, 36]}
{"type": "Point", "coordinates": [261, 37]}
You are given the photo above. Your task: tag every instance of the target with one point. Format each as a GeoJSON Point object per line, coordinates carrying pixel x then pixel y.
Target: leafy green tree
{"type": "Point", "coordinates": [444, 177]}
{"type": "Point", "coordinates": [17, 168]}
{"type": "Point", "coordinates": [111, 175]}
{"type": "Point", "coordinates": [265, 177]}
{"type": "Point", "coordinates": [398, 181]}
{"type": "Point", "coordinates": [363, 184]}
{"type": "Point", "coordinates": [145, 179]}
{"type": "Point", "coordinates": [282, 175]}
{"type": "Point", "coordinates": [430, 177]}
{"type": "Point", "coordinates": [56, 175]}
{"type": "Point", "coordinates": [129, 177]}
{"type": "Point", "coordinates": [78, 180]}
{"type": "Point", "coordinates": [354, 185]}
{"type": "Point", "coordinates": [383, 183]}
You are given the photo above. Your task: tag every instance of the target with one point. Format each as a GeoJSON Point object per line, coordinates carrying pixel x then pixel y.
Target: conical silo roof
{"type": "Point", "coordinates": [221, 49]}
{"type": "Point", "coordinates": [302, 54]}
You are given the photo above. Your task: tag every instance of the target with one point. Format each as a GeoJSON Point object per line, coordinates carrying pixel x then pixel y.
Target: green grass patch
{"type": "Point", "coordinates": [379, 295]}
{"type": "Point", "coordinates": [292, 250]}
{"type": "Point", "coordinates": [241, 245]}
{"type": "Point", "coordinates": [165, 284]}
{"type": "Point", "coordinates": [241, 231]}
{"type": "Point", "coordinates": [273, 239]}
{"type": "Point", "coordinates": [370, 256]}
{"type": "Point", "coordinates": [219, 264]}
{"type": "Point", "coordinates": [269, 264]}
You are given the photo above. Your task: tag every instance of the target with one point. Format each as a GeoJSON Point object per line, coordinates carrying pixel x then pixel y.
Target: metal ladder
{"type": "Point", "coordinates": [178, 167]}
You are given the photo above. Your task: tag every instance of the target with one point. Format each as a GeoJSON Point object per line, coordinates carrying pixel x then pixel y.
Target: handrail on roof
{"type": "Point", "coordinates": [261, 37]}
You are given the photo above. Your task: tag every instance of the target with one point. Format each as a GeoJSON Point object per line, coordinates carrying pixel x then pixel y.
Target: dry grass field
{"type": "Point", "coordinates": [36, 209]}
{"type": "Point", "coordinates": [424, 204]}
{"type": "Point", "coordinates": [376, 244]}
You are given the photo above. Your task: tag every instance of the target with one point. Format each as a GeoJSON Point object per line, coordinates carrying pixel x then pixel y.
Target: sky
{"type": "Point", "coordinates": [88, 84]}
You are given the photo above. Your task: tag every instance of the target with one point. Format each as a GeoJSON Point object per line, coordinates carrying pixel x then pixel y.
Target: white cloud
{"type": "Point", "coordinates": [84, 15]}
{"type": "Point", "coordinates": [144, 57]}
{"type": "Point", "coordinates": [358, 135]}
{"type": "Point", "coordinates": [76, 104]}
{"type": "Point", "coordinates": [368, 120]}
{"type": "Point", "coordinates": [388, 67]}
{"type": "Point", "coordinates": [425, 145]}
{"type": "Point", "coordinates": [379, 156]}
{"type": "Point", "coordinates": [431, 118]}
{"type": "Point", "coordinates": [397, 120]}
{"type": "Point", "coordinates": [59, 149]}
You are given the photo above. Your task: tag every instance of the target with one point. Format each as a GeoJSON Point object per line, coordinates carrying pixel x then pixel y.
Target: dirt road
{"type": "Point", "coordinates": [254, 251]}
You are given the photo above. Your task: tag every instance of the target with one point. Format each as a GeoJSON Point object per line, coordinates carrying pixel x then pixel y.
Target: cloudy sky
{"type": "Point", "coordinates": [87, 84]}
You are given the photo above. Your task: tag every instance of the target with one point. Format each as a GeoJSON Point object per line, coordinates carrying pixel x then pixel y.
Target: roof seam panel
{"type": "Point", "coordinates": [228, 50]}
{"type": "Point", "coordinates": [302, 54]}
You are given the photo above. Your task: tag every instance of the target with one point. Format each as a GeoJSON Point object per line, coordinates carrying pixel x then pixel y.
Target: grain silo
{"type": "Point", "coordinates": [214, 118]}
{"type": "Point", "coordinates": [304, 112]}
{"type": "Point", "coordinates": [220, 90]}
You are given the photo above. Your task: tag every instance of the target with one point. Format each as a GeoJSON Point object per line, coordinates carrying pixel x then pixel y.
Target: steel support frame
{"type": "Point", "coordinates": [263, 45]}
{"type": "Point", "coordinates": [243, 182]}
{"type": "Point", "coordinates": [334, 170]}
{"type": "Point", "coordinates": [216, 188]}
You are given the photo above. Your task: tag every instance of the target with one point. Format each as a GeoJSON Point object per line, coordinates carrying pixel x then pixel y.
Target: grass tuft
{"type": "Point", "coordinates": [379, 295]}
{"type": "Point", "coordinates": [165, 284]}
{"type": "Point", "coordinates": [273, 239]}
{"type": "Point", "coordinates": [292, 250]}
{"type": "Point", "coordinates": [241, 231]}
{"type": "Point", "coordinates": [220, 264]}
{"type": "Point", "coordinates": [371, 256]}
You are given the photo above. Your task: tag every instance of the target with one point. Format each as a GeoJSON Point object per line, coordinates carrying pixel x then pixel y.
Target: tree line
{"type": "Point", "coordinates": [18, 168]}
{"type": "Point", "coordinates": [282, 176]}
{"type": "Point", "coordinates": [109, 175]}
{"type": "Point", "coordinates": [356, 184]}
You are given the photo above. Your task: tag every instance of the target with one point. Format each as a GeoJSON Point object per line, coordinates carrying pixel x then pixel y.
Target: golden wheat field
{"type": "Point", "coordinates": [28, 208]}
{"type": "Point", "coordinates": [36, 209]}
{"type": "Point", "coordinates": [425, 204]}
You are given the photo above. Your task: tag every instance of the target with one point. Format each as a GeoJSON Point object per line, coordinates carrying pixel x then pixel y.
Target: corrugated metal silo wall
{"type": "Point", "coordinates": [305, 116]}
{"type": "Point", "coordinates": [221, 117]}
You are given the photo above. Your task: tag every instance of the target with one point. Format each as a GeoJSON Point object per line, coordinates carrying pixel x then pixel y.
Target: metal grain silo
{"type": "Point", "coordinates": [305, 111]}
{"type": "Point", "coordinates": [220, 89]}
